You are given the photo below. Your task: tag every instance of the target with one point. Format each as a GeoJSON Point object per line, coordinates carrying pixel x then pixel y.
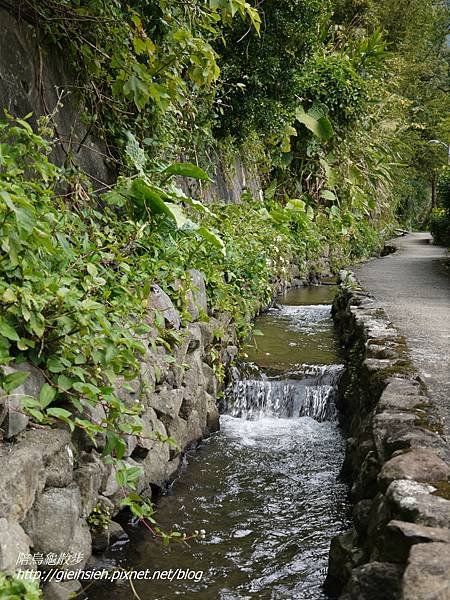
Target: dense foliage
{"type": "Point", "coordinates": [440, 215]}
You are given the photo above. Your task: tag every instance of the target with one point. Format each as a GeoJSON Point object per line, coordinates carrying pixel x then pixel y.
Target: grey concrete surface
{"type": "Point", "coordinates": [413, 284]}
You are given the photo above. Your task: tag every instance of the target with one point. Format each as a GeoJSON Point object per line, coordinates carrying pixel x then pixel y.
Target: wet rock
{"type": "Point", "coordinates": [61, 590]}
{"type": "Point", "coordinates": [296, 282]}
{"type": "Point", "coordinates": [13, 541]}
{"type": "Point", "coordinates": [159, 301]}
{"type": "Point", "coordinates": [116, 533]}
{"type": "Point", "coordinates": [212, 415]}
{"type": "Point", "coordinates": [399, 536]}
{"type": "Point", "coordinates": [374, 581]}
{"type": "Point", "coordinates": [100, 541]}
{"type": "Point", "coordinates": [419, 464]}
{"type": "Point", "coordinates": [427, 574]}
{"type": "Point", "coordinates": [361, 513]}
{"type": "Point", "coordinates": [12, 419]}
{"type": "Point", "coordinates": [343, 556]}
{"type": "Point", "coordinates": [365, 485]}
{"type": "Point", "coordinates": [22, 478]}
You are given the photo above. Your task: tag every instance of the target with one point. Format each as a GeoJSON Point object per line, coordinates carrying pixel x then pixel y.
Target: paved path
{"type": "Point", "coordinates": [414, 287]}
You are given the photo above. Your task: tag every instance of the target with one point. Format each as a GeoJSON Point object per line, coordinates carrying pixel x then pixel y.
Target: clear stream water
{"type": "Point", "coordinates": [265, 488]}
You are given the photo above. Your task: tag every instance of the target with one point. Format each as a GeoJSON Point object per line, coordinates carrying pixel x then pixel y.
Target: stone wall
{"type": "Point", "coordinates": [50, 479]}
{"type": "Point", "coordinates": [397, 461]}
{"type": "Point", "coordinates": [32, 76]}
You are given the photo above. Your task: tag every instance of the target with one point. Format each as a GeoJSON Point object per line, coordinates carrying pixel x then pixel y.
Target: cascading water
{"type": "Point", "coordinates": [308, 392]}
{"type": "Point", "coordinates": [266, 487]}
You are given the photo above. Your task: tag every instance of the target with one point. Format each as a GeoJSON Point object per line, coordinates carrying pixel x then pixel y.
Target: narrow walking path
{"type": "Point", "coordinates": [414, 286]}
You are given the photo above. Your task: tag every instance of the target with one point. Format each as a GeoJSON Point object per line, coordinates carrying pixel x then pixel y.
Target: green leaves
{"type": "Point", "coordinates": [148, 199]}
{"type": "Point", "coordinates": [8, 331]}
{"type": "Point", "coordinates": [185, 170]}
{"type": "Point", "coordinates": [13, 380]}
{"type": "Point", "coordinates": [46, 395]}
{"type": "Point", "coordinates": [211, 237]}
{"type": "Point", "coordinates": [316, 121]}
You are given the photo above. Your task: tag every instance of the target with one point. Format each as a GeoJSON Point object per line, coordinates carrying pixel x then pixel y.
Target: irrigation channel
{"type": "Point", "coordinates": [266, 488]}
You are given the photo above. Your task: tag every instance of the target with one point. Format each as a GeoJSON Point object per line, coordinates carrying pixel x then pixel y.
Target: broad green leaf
{"type": "Point", "coordinates": [186, 170]}
{"type": "Point", "coordinates": [328, 195]}
{"type": "Point", "coordinates": [64, 383]}
{"type": "Point", "coordinates": [177, 214]}
{"type": "Point", "coordinates": [334, 210]}
{"type": "Point", "coordinates": [148, 198]}
{"type": "Point", "coordinates": [296, 205]}
{"type": "Point", "coordinates": [13, 380]}
{"type": "Point", "coordinates": [212, 238]}
{"type": "Point", "coordinates": [46, 395]}
{"type": "Point", "coordinates": [63, 415]}
{"type": "Point", "coordinates": [136, 88]}
{"type": "Point", "coordinates": [8, 331]}
{"type": "Point", "coordinates": [54, 365]}
{"type": "Point", "coordinates": [320, 126]}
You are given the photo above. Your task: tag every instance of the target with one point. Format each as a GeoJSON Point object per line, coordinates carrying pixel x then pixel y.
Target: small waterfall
{"type": "Point", "coordinates": [308, 392]}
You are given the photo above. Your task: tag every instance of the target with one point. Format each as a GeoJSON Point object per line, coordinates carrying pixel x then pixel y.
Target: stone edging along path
{"type": "Point", "coordinates": [399, 545]}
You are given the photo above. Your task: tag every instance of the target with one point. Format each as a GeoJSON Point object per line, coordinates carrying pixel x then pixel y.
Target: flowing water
{"type": "Point", "coordinates": [265, 488]}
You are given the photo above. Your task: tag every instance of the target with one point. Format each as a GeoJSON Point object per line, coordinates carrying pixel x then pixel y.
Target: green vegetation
{"type": "Point", "coordinates": [336, 101]}
{"type": "Point", "coordinates": [13, 588]}
{"type": "Point", "coordinates": [440, 215]}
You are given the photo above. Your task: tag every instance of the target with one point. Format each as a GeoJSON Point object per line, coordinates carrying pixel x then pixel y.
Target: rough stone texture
{"type": "Point", "coordinates": [375, 581]}
{"type": "Point", "coordinates": [55, 505]}
{"type": "Point", "coordinates": [159, 301]}
{"type": "Point", "coordinates": [22, 478]}
{"type": "Point", "coordinates": [427, 576]}
{"type": "Point", "coordinates": [196, 297]}
{"type": "Point", "coordinates": [397, 459]}
{"type": "Point", "coordinates": [30, 78]}
{"type": "Point", "coordinates": [54, 447]}
{"type": "Point", "coordinates": [61, 591]}
{"type": "Point", "coordinates": [102, 540]}
{"type": "Point", "coordinates": [414, 502]}
{"type": "Point", "coordinates": [419, 464]}
{"type": "Point", "coordinates": [228, 183]}
{"type": "Point", "coordinates": [399, 537]}
{"type": "Point", "coordinates": [13, 541]}
{"type": "Point", "coordinates": [12, 419]}
{"type": "Point", "coordinates": [89, 478]}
